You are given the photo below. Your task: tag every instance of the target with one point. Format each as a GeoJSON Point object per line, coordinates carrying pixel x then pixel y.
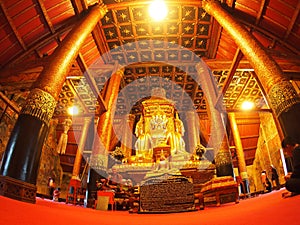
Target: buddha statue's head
{"type": "Point", "coordinates": [158, 92]}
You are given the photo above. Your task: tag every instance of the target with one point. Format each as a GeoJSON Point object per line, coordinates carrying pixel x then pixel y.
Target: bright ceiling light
{"type": "Point", "coordinates": [247, 105]}
{"type": "Point", "coordinates": [158, 10]}
{"type": "Point", "coordinates": [73, 110]}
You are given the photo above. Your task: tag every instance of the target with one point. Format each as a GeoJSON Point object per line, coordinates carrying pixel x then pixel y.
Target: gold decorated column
{"type": "Point", "coordinates": [281, 95]}
{"type": "Point", "coordinates": [105, 128]}
{"type": "Point", "coordinates": [239, 152]}
{"type": "Point", "coordinates": [219, 141]}
{"type": "Point", "coordinates": [80, 149]}
{"type": "Point", "coordinates": [218, 138]}
{"type": "Point", "coordinates": [103, 134]}
{"type": "Point", "coordinates": [127, 135]}
{"type": "Point", "coordinates": [193, 127]}
{"type": "Point", "coordinates": [21, 159]}
{"type": "Point", "coordinates": [53, 76]}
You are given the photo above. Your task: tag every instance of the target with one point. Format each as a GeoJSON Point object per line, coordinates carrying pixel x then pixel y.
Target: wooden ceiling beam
{"type": "Point", "coordinates": [70, 155]}
{"type": "Point", "coordinates": [22, 67]}
{"type": "Point", "coordinates": [79, 5]}
{"type": "Point", "coordinates": [12, 26]}
{"type": "Point", "coordinates": [30, 75]}
{"type": "Point", "coordinates": [291, 68]}
{"type": "Point", "coordinates": [270, 35]}
{"type": "Point", "coordinates": [48, 22]}
{"type": "Point", "coordinates": [249, 136]}
{"type": "Point", "coordinates": [247, 120]}
{"type": "Point", "coordinates": [100, 43]}
{"type": "Point", "coordinates": [215, 39]}
{"type": "Point", "coordinates": [46, 16]}
{"type": "Point", "coordinates": [288, 65]}
{"type": "Point", "coordinates": [43, 40]}
{"type": "Point", "coordinates": [237, 58]}
{"type": "Point", "coordinates": [66, 164]}
{"type": "Point", "coordinates": [261, 11]}
{"type": "Point", "coordinates": [293, 21]}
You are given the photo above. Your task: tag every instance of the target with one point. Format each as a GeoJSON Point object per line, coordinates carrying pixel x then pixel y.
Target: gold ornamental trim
{"type": "Point", "coordinates": [283, 96]}
{"type": "Point", "coordinates": [223, 158]}
{"type": "Point", "coordinates": [39, 104]}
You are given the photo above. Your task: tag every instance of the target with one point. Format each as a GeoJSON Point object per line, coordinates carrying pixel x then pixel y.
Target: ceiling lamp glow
{"type": "Point", "coordinates": [73, 110]}
{"type": "Point", "coordinates": [247, 105]}
{"type": "Point", "coordinates": [158, 10]}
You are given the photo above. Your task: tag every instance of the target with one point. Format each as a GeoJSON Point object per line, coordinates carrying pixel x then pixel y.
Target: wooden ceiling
{"type": "Point", "coordinates": [152, 54]}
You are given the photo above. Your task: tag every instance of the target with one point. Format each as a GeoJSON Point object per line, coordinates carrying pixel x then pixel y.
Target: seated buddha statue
{"type": "Point", "coordinates": [159, 127]}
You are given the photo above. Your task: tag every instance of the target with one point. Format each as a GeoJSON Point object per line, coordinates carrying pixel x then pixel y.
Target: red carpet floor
{"type": "Point", "coordinates": [265, 209]}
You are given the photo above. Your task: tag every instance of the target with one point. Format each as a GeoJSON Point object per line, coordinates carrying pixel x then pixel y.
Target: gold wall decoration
{"type": "Point", "coordinates": [39, 104]}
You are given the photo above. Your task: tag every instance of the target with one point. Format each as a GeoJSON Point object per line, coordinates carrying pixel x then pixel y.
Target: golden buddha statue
{"type": "Point", "coordinates": [160, 128]}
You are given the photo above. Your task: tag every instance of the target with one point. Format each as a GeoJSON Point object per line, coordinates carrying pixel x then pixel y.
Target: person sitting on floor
{"type": "Point", "coordinates": [266, 182]}
{"type": "Point", "coordinates": [274, 178]}
{"type": "Point", "coordinates": [56, 194]}
{"type": "Point", "coordinates": [133, 196]}
{"type": "Point", "coordinates": [292, 148]}
{"type": "Point", "coordinates": [102, 185]}
{"type": "Point", "coordinates": [115, 180]}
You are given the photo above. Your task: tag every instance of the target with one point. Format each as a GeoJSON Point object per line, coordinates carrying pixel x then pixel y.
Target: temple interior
{"type": "Point", "coordinates": [99, 99]}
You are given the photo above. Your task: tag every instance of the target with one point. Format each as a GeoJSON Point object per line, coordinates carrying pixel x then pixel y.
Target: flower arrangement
{"type": "Point", "coordinates": [200, 150]}
{"type": "Point", "coordinates": [118, 154]}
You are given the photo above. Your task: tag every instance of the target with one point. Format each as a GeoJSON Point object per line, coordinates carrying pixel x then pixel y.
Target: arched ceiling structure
{"type": "Point", "coordinates": [152, 54]}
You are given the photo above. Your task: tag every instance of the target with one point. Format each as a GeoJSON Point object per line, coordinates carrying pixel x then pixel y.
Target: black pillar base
{"type": "Point", "coordinates": [92, 188]}
{"type": "Point", "coordinates": [18, 190]}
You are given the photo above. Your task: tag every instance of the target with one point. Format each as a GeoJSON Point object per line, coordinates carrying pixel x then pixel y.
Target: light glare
{"type": "Point", "coordinates": [73, 110]}
{"type": "Point", "coordinates": [158, 10]}
{"type": "Point", "coordinates": [247, 105]}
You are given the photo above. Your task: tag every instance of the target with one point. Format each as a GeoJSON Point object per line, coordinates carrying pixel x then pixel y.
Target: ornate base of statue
{"type": "Point", "coordinates": [166, 193]}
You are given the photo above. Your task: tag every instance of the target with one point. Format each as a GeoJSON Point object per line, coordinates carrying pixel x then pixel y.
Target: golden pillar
{"type": "Point", "coordinates": [218, 139]}
{"type": "Point", "coordinates": [193, 127]}
{"type": "Point", "coordinates": [80, 149]}
{"type": "Point", "coordinates": [105, 128]}
{"type": "Point", "coordinates": [103, 134]}
{"type": "Point", "coordinates": [127, 135]}
{"type": "Point", "coordinates": [54, 74]}
{"type": "Point", "coordinates": [239, 152]}
{"type": "Point", "coordinates": [266, 68]}
{"type": "Point", "coordinates": [20, 163]}
{"type": "Point", "coordinates": [281, 95]}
